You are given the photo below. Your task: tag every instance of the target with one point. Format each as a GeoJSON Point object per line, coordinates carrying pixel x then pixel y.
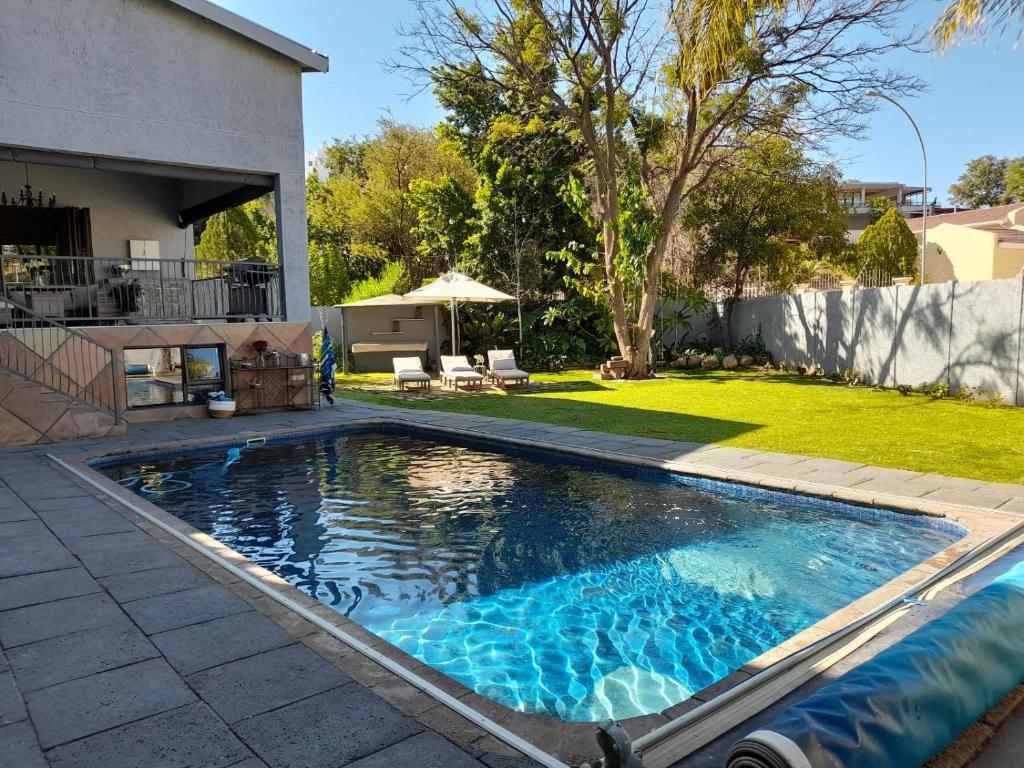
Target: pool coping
{"type": "Point", "coordinates": [565, 740]}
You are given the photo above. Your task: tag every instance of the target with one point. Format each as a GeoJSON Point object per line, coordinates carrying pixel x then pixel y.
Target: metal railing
{"type": "Point", "coordinates": [111, 291]}
{"type": "Point", "coordinates": [49, 353]}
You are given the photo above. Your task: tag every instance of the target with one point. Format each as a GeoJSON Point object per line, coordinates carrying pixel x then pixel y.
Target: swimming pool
{"type": "Point", "coordinates": [555, 587]}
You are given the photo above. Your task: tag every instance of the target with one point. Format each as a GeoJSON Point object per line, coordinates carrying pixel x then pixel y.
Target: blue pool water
{"type": "Point", "coordinates": [571, 590]}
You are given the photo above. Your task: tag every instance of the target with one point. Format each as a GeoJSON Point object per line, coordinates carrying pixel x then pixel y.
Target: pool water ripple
{"type": "Point", "coordinates": [555, 588]}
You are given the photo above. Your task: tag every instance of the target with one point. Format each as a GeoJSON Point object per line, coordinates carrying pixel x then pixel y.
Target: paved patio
{"type": "Point", "coordinates": [123, 646]}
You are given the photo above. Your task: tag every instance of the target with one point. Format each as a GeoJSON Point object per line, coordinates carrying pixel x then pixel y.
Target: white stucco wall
{"type": "Point", "coordinates": [146, 80]}
{"type": "Point", "coordinates": [122, 206]}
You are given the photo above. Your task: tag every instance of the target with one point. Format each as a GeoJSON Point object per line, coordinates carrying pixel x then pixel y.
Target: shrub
{"type": "Point", "coordinates": [936, 390]}
{"type": "Point", "coordinates": [889, 245]}
{"type": "Point", "coordinates": [904, 389]}
{"type": "Point", "coordinates": [392, 279]}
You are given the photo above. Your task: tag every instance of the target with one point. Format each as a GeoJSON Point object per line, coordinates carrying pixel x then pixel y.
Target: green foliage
{"type": "Point", "coordinates": [889, 245]}
{"type": "Point", "coordinates": [444, 212]}
{"type": "Point", "coordinates": [245, 232]}
{"type": "Point", "coordinates": [937, 390]}
{"type": "Point", "coordinates": [753, 345]}
{"type": "Point", "coordinates": [773, 213]}
{"type": "Point", "coordinates": [1014, 181]}
{"type": "Point", "coordinates": [989, 180]}
{"type": "Point", "coordinates": [879, 207]}
{"type": "Point", "coordinates": [393, 279]}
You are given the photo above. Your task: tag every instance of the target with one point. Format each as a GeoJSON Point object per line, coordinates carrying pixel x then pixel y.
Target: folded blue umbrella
{"type": "Point", "coordinates": [911, 700]}
{"type": "Point", "coordinates": [327, 367]}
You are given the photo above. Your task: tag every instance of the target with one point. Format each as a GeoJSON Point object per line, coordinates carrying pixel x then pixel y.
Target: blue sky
{"type": "Point", "coordinates": [972, 108]}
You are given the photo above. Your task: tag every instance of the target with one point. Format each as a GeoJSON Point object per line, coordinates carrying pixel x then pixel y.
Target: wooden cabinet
{"type": "Point", "coordinates": [285, 386]}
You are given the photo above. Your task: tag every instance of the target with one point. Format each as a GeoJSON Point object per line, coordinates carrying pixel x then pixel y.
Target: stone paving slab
{"type": "Point", "coordinates": [180, 609]}
{"type": "Point", "coordinates": [82, 707]}
{"type": "Point", "coordinates": [117, 553]}
{"type": "Point", "coordinates": [266, 681]}
{"type": "Point", "coordinates": [79, 654]}
{"type": "Point", "coordinates": [19, 747]}
{"type": "Point", "coordinates": [34, 588]}
{"type": "Point", "coordinates": [152, 582]}
{"type": "Point", "coordinates": [59, 617]}
{"type": "Point", "coordinates": [331, 728]}
{"type": "Point", "coordinates": [212, 643]}
{"type": "Point", "coordinates": [425, 750]}
{"type": "Point", "coordinates": [188, 736]}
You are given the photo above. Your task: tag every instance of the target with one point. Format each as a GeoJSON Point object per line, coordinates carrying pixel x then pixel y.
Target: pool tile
{"type": "Point", "coordinates": [251, 686]}
{"type": "Point", "coordinates": [80, 708]}
{"type": "Point", "coordinates": [346, 723]}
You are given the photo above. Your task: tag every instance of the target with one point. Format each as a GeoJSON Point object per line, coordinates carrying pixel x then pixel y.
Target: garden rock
{"type": "Point", "coordinates": [729, 362]}
{"type": "Point", "coordinates": [746, 361]}
{"type": "Point", "coordinates": [709, 362]}
{"type": "Point", "coordinates": [694, 361]}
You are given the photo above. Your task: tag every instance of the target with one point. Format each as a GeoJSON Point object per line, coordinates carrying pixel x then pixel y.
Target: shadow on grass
{"type": "Point", "coordinates": [598, 417]}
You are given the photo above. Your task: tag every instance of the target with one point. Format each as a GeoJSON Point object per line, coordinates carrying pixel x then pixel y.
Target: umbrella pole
{"type": "Point", "coordinates": [455, 332]}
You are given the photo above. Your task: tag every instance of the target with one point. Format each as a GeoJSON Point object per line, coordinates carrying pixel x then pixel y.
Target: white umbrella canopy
{"type": "Point", "coordinates": [455, 286]}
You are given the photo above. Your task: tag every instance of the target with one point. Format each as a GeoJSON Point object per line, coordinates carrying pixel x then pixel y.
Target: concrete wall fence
{"type": "Point", "coordinates": [965, 333]}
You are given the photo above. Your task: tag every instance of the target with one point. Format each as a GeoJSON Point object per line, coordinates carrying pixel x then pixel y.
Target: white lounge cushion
{"type": "Point", "coordinates": [412, 376]}
{"type": "Point", "coordinates": [453, 365]}
{"type": "Point", "coordinates": [407, 364]}
{"type": "Point", "coordinates": [509, 373]}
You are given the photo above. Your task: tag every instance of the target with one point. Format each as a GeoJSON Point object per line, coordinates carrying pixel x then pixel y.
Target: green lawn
{"type": "Point", "coordinates": [772, 412]}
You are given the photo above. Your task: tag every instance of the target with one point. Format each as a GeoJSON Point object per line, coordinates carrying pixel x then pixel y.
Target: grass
{"type": "Point", "coordinates": [765, 411]}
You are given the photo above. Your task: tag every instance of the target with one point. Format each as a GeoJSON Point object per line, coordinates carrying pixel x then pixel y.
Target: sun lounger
{"type": "Point", "coordinates": [409, 370]}
{"type": "Point", "coordinates": [456, 368]}
{"type": "Point", "coordinates": [502, 368]}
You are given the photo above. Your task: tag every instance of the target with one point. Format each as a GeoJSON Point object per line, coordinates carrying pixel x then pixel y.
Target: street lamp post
{"type": "Point", "coordinates": [924, 194]}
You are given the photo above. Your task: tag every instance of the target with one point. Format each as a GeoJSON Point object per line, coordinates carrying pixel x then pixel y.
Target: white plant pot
{"type": "Point", "coordinates": [221, 409]}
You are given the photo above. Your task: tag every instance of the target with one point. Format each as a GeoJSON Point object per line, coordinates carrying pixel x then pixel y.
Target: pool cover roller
{"type": "Point", "coordinates": [911, 700]}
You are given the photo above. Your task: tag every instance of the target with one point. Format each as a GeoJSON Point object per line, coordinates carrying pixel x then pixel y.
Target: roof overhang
{"type": "Point", "coordinates": [307, 58]}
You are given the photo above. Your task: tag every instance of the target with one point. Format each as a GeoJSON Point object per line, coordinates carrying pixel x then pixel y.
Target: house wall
{"type": "Point", "coordinates": [959, 253]}
{"type": "Point", "coordinates": [146, 80]}
{"type": "Point", "coordinates": [122, 206]}
{"type": "Point", "coordinates": [963, 333]}
{"type": "Point", "coordinates": [1008, 262]}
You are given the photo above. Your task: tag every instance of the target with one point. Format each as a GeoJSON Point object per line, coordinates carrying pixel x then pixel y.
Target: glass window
{"type": "Point", "coordinates": [203, 364]}
{"type": "Point", "coordinates": [172, 375]}
{"type": "Point", "coordinates": [153, 376]}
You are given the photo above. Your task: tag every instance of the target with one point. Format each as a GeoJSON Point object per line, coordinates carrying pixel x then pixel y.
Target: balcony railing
{"type": "Point", "coordinates": [113, 291]}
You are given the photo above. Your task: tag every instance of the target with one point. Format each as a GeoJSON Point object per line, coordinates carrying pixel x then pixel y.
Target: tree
{"type": "Point", "coordinates": [444, 215]}
{"type": "Point", "coordinates": [247, 231]}
{"type": "Point", "coordinates": [775, 214]}
{"type": "Point", "coordinates": [982, 184]}
{"type": "Point", "coordinates": [964, 16]}
{"type": "Point", "coordinates": [1014, 181]}
{"type": "Point", "coordinates": [889, 245]}
{"type": "Point", "coordinates": [662, 93]}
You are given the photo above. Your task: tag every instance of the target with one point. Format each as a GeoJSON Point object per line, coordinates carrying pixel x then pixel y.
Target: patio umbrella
{"type": "Point", "coordinates": [454, 287]}
{"type": "Point", "coordinates": [327, 366]}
